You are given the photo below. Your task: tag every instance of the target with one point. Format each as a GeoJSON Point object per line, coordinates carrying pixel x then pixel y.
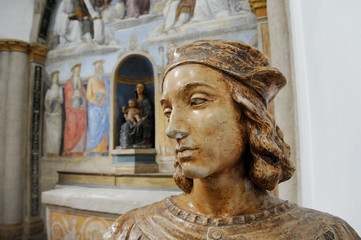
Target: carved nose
{"type": "Point", "coordinates": [177, 124]}
{"type": "Point", "coordinates": [175, 134]}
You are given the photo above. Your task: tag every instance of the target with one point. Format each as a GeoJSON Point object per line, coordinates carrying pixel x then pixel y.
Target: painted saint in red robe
{"type": "Point", "coordinates": [75, 115]}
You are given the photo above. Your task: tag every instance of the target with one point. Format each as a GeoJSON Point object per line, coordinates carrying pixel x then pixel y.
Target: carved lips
{"type": "Point", "coordinates": [184, 152]}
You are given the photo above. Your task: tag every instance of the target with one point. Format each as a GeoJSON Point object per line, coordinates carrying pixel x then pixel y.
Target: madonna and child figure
{"type": "Point", "coordinates": [137, 131]}
{"type": "Point", "coordinates": [229, 153]}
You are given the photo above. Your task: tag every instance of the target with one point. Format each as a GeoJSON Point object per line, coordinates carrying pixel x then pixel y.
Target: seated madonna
{"type": "Point", "coordinates": [229, 154]}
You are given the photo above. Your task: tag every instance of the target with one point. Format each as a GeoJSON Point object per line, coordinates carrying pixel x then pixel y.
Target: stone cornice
{"type": "Point", "coordinates": [259, 7]}
{"type": "Point", "coordinates": [38, 52]}
{"type": "Point", "coordinates": [14, 45]}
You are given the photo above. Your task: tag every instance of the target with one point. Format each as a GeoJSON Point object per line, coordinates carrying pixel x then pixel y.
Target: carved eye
{"type": "Point", "coordinates": [196, 101]}
{"type": "Point", "coordinates": [167, 112]}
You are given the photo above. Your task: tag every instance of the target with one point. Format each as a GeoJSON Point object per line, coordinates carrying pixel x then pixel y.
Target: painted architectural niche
{"type": "Point", "coordinates": [101, 50]}
{"type": "Point", "coordinates": [134, 91]}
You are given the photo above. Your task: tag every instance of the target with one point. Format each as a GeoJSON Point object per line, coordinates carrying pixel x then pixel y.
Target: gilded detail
{"type": "Point", "coordinates": [14, 45]}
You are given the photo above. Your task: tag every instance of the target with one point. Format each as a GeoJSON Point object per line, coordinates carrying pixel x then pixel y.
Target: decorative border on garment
{"type": "Point", "coordinates": [243, 219]}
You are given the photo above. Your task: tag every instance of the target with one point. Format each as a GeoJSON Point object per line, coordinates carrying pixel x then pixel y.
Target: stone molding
{"type": "Point", "coordinates": [10, 231]}
{"type": "Point", "coordinates": [38, 52]}
{"type": "Point", "coordinates": [14, 45]}
{"type": "Point", "coordinates": [259, 7]}
{"type": "Point", "coordinates": [33, 227]}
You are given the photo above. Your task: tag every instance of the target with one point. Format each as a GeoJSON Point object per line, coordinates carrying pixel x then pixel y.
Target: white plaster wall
{"type": "Point", "coordinates": [327, 56]}
{"type": "Point", "coordinates": [16, 19]}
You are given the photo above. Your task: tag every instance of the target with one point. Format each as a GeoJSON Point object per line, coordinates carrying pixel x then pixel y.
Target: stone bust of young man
{"type": "Point", "coordinates": [229, 152]}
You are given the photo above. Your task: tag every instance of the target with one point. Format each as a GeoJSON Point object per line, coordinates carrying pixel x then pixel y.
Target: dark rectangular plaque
{"type": "Point", "coordinates": [35, 146]}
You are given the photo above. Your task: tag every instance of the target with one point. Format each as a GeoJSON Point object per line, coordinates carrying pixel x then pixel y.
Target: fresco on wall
{"type": "Point", "coordinates": [53, 114]}
{"type": "Point", "coordinates": [132, 35]}
{"type": "Point", "coordinates": [71, 226]}
{"type": "Point", "coordinates": [75, 114]}
{"type": "Point", "coordinates": [97, 96]}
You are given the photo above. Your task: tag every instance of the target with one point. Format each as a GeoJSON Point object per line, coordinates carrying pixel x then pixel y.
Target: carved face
{"type": "Point", "coordinates": [139, 88]}
{"type": "Point", "coordinates": [203, 120]}
{"type": "Point", "coordinates": [131, 103]}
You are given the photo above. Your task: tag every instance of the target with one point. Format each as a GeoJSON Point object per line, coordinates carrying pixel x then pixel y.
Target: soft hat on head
{"type": "Point", "coordinates": [243, 62]}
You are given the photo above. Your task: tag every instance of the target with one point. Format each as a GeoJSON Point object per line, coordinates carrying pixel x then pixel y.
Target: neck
{"type": "Point", "coordinates": [229, 193]}
{"type": "Point", "coordinates": [140, 95]}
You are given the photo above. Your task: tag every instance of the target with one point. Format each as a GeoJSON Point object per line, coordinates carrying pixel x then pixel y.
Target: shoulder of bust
{"type": "Point", "coordinates": [126, 224]}
{"type": "Point", "coordinates": [323, 225]}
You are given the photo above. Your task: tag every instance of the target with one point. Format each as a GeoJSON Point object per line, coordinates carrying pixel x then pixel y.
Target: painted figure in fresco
{"type": "Point", "coordinates": [97, 96]}
{"type": "Point", "coordinates": [211, 9]}
{"type": "Point", "coordinates": [66, 27]}
{"type": "Point", "coordinates": [114, 11]}
{"type": "Point", "coordinates": [135, 8]}
{"type": "Point", "coordinates": [139, 134]}
{"type": "Point", "coordinates": [132, 113]}
{"type": "Point", "coordinates": [53, 117]}
{"type": "Point", "coordinates": [75, 114]}
{"type": "Point", "coordinates": [97, 22]}
{"type": "Point", "coordinates": [83, 15]}
{"type": "Point", "coordinates": [177, 13]}
{"type": "Point", "coordinates": [229, 152]}
{"type": "Point", "coordinates": [102, 4]}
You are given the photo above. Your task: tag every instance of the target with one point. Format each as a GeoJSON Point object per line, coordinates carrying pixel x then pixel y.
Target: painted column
{"type": "Point", "coordinates": [4, 76]}
{"type": "Point", "coordinates": [20, 116]}
{"type": "Point", "coordinates": [14, 73]}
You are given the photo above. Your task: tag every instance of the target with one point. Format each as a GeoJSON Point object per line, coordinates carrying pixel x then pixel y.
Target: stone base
{"type": "Point", "coordinates": [11, 231]}
{"type": "Point", "coordinates": [129, 168]}
{"type": "Point", "coordinates": [34, 226]}
{"type": "Point", "coordinates": [135, 161]}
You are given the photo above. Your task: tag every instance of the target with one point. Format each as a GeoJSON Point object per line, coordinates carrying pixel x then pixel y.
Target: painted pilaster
{"type": "Point", "coordinates": [259, 8]}
{"type": "Point", "coordinates": [33, 222]}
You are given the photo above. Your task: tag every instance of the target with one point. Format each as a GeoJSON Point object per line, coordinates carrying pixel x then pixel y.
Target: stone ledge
{"type": "Point", "coordinates": [136, 151]}
{"type": "Point", "coordinates": [148, 180]}
{"type": "Point", "coordinates": [106, 200]}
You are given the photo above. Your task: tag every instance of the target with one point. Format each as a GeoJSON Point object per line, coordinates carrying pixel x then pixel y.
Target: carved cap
{"type": "Point", "coordinates": [244, 63]}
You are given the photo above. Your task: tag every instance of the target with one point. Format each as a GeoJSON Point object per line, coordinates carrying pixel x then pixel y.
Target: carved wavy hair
{"type": "Point", "coordinates": [268, 154]}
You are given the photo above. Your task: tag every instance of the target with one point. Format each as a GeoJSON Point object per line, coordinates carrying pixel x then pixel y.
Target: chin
{"type": "Point", "coordinates": [195, 172]}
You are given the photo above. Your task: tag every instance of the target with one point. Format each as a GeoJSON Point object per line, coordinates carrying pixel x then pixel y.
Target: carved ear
{"type": "Point", "coordinates": [265, 174]}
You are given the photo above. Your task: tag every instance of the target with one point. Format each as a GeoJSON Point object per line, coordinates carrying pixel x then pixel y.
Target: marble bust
{"type": "Point", "coordinates": [229, 154]}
